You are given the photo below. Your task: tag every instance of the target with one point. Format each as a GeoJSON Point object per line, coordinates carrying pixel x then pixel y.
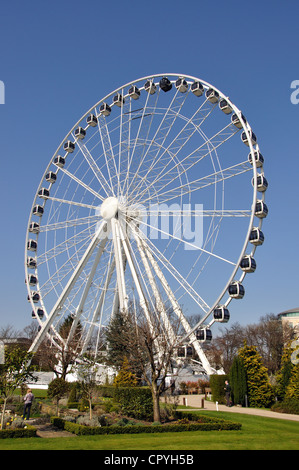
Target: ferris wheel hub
{"type": "Point", "coordinates": [109, 208]}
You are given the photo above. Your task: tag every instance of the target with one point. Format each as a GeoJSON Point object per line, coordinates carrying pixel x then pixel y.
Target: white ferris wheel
{"type": "Point", "coordinates": [154, 199]}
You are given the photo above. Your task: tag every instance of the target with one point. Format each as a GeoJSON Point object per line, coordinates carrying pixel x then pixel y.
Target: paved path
{"type": "Point", "coordinates": [196, 401]}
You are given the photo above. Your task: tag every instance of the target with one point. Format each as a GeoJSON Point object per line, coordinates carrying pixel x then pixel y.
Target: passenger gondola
{"type": "Point", "coordinates": [221, 314]}
{"type": "Point", "coordinates": [256, 236]}
{"type": "Point", "coordinates": [34, 227]}
{"type": "Point", "coordinates": [150, 87]}
{"type": "Point", "coordinates": [181, 85]}
{"type": "Point", "coordinates": [69, 146]}
{"type": "Point", "coordinates": [165, 84]}
{"type": "Point", "coordinates": [44, 193]}
{"type": "Point", "coordinates": [119, 100]}
{"type": "Point", "coordinates": [236, 290]}
{"type": "Point", "coordinates": [261, 209]}
{"type": "Point", "coordinates": [105, 109]}
{"type": "Point", "coordinates": [197, 88]}
{"type": "Point", "coordinates": [51, 177]}
{"type": "Point", "coordinates": [258, 157]}
{"type": "Point", "coordinates": [31, 263]}
{"type": "Point", "coordinates": [31, 245]}
{"type": "Point", "coordinates": [203, 334]}
{"type": "Point", "coordinates": [38, 210]}
{"type": "Point", "coordinates": [59, 161]}
{"type": "Point", "coordinates": [80, 133]}
{"type": "Point", "coordinates": [248, 264]}
{"type": "Point", "coordinates": [134, 92]}
{"type": "Point", "coordinates": [225, 107]}
{"type": "Point", "coordinates": [252, 137]}
{"type": "Point", "coordinates": [92, 120]}
{"type": "Point", "coordinates": [236, 120]}
{"type": "Point", "coordinates": [212, 95]}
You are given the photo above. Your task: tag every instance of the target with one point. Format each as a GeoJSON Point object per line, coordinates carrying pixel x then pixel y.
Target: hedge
{"type": "Point", "coordinates": [30, 431]}
{"type": "Point", "coordinates": [206, 424]}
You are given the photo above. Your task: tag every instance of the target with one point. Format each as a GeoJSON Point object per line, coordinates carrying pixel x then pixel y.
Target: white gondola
{"type": "Point", "coordinates": [59, 161]}
{"type": "Point", "coordinates": [32, 280]}
{"type": "Point", "coordinates": [185, 351]}
{"type": "Point", "coordinates": [252, 137]}
{"type": "Point", "coordinates": [92, 120]}
{"type": "Point", "coordinates": [248, 264]}
{"type": "Point", "coordinates": [261, 182]}
{"type": "Point", "coordinates": [197, 88]}
{"type": "Point", "coordinates": [105, 109]}
{"type": "Point", "coordinates": [134, 92]}
{"type": "Point", "coordinates": [203, 334]}
{"type": "Point", "coordinates": [221, 314]}
{"type": "Point", "coordinates": [34, 296]}
{"type": "Point", "coordinates": [150, 87]}
{"type": "Point", "coordinates": [31, 263]}
{"type": "Point", "coordinates": [119, 100]}
{"type": "Point", "coordinates": [236, 120]}
{"type": "Point", "coordinates": [44, 193]}
{"type": "Point", "coordinates": [80, 133]}
{"type": "Point", "coordinates": [31, 245]}
{"type": "Point", "coordinates": [38, 210]}
{"type": "Point", "coordinates": [256, 236]}
{"type": "Point", "coordinates": [236, 290]}
{"type": "Point", "coordinates": [165, 84]}
{"type": "Point", "coordinates": [258, 157]}
{"type": "Point", "coordinates": [225, 107]}
{"type": "Point", "coordinates": [69, 146]}
{"type": "Point", "coordinates": [212, 95]}
{"type": "Point", "coordinates": [34, 227]}
{"type": "Point", "coordinates": [181, 85]}
{"type": "Point", "coordinates": [261, 209]}
{"type": "Point", "coordinates": [39, 313]}
{"type": "Point", "coordinates": [51, 177]}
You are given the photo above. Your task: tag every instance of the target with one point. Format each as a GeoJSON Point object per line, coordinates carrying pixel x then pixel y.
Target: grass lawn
{"type": "Point", "coordinates": [257, 433]}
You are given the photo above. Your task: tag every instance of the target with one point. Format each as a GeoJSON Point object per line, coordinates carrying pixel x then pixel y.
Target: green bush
{"type": "Point", "coordinates": [287, 406]}
{"type": "Point", "coordinates": [135, 401]}
{"type": "Point", "coordinates": [217, 384]}
{"type": "Point", "coordinates": [29, 431]}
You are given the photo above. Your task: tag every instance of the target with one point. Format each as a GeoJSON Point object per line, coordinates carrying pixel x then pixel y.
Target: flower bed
{"type": "Point", "coordinates": [28, 431]}
{"type": "Point", "coordinates": [184, 422]}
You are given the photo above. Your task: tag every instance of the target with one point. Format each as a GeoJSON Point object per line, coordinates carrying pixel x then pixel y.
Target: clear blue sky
{"type": "Point", "coordinates": [59, 58]}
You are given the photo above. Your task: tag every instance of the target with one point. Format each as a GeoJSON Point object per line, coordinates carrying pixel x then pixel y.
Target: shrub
{"type": "Point", "coordinates": [287, 406]}
{"type": "Point", "coordinates": [136, 402]}
{"type": "Point", "coordinates": [28, 431]}
{"type": "Point", "coordinates": [217, 383]}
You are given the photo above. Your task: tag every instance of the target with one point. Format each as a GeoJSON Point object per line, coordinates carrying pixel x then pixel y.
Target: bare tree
{"type": "Point", "coordinates": [150, 345]}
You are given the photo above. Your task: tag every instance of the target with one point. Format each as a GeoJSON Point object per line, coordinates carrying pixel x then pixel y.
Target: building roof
{"type": "Point", "coordinates": [292, 312]}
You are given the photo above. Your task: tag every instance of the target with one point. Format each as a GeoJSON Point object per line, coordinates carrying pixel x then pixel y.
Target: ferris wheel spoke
{"type": "Point", "coordinates": [152, 249]}
{"type": "Point", "coordinates": [200, 183]}
{"type": "Point", "coordinates": [95, 169]}
{"type": "Point", "coordinates": [83, 185]}
{"type": "Point", "coordinates": [68, 223]}
{"type": "Point", "coordinates": [70, 242]}
{"type": "Point", "coordinates": [73, 203]}
{"type": "Point", "coordinates": [99, 237]}
{"type": "Point", "coordinates": [111, 168]}
{"type": "Point", "coordinates": [183, 136]}
{"type": "Point", "coordinates": [193, 158]}
{"type": "Point", "coordinates": [162, 132]}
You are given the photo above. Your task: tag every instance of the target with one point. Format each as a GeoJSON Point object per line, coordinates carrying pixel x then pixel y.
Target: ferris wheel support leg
{"type": "Point", "coordinates": [136, 280]}
{"type": "Point", "coordinates": [80, 307]}
{"type": "Point", "coordinates": [123, 299]}
{"type": "Point", "coordinates": [98, 310]}
{"type": "Point", "coordinates": [178, 311]}
{"type": "Point", "coordinates": [159, 303]}
{"type": "Point", "coordinates": [99, 237]}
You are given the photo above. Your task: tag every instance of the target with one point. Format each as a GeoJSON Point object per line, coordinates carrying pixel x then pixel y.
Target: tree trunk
{"type": "Point", "coordinates": [156, 403]}
{"type": "Point", "coordinates": [3, 412]}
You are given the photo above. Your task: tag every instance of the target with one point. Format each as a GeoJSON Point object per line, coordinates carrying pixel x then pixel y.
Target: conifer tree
{"type": "Point", "coordinates": [260, 392]}
{"type": "Point", "coordinates": [238, 381]}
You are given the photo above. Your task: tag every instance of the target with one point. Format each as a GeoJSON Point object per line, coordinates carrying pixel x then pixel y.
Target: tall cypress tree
{"type": "Point", "coordinates": [238, 381]}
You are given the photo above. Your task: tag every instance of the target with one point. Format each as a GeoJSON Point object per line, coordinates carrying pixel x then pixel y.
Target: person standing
{"type": "Point", "coordinates": [227, 390]}
{"type": "Point", "coordinates": [28, 399]}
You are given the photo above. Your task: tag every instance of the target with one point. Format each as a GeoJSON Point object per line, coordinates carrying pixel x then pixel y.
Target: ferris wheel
{"type": "Point", "coordinates": [153, 200]}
